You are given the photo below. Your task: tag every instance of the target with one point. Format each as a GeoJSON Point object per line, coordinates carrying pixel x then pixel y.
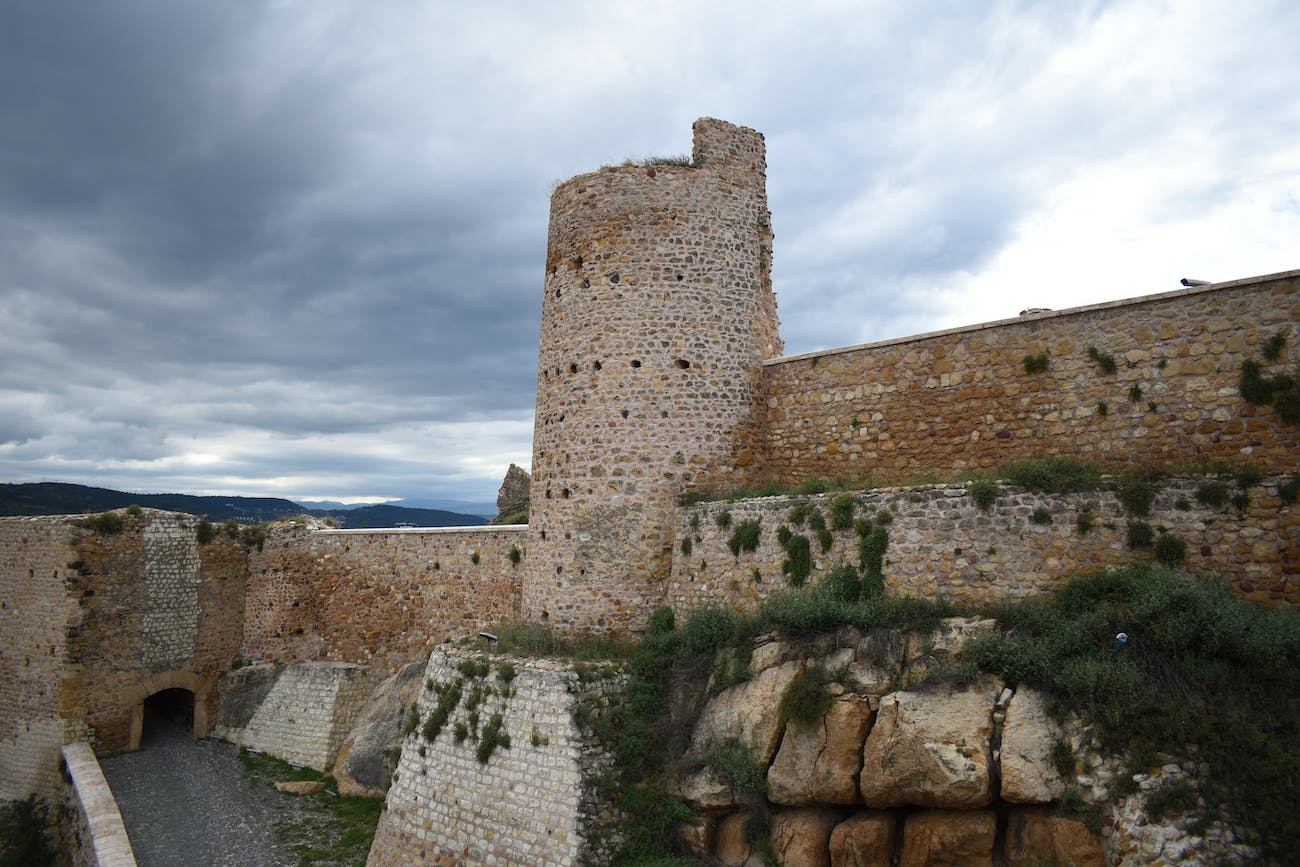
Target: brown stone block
{"type": "Point", "coordinates": [1037, 836]}
{"type": "Point", "coordinates": [864, 840]}
{"type": "Point", "coordinates": [949, 838]}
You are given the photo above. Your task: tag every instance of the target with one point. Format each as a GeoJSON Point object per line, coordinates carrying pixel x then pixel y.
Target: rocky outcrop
{"type": "Point", "coordinates": [932, 749]}
{"type": "Point", "coordinates": [949, 838]}
{"type": "Point", "coordinates": [894, 772]}
{"type": "Point", "coordinates": [512, 498]}
{"type": "Point", "coordinates": [748, 713]}
{"type": "Point", "coordinates": [365, 760]}
{"type": "Point", "coordinates": [819, 764]}
{"type": "Point", "coordinates": [802, 836]}
{"type": "Point", "coordinates": [864, 840]}
{"type": "Point", "coordinates": [1036, 835]}
{"type": "Point", "coordinates": [1029, 775]}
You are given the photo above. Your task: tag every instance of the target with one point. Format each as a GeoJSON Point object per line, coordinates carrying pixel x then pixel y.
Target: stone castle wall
{"type": "Point", "coordinates": [382, 598]}
{"type": "Point", "coordinates": [531, 802]}
{"type": "Point", "coordinates": [940, 543]}
{"type": "Point", "coordinates": [962, 400]}
{"type": "Point", "coordinates": [35, 614]}
{"type": "Point", "coordinates": [657, 314]}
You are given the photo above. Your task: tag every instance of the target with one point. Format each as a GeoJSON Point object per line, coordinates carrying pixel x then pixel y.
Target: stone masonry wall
{"type": "Point", "coordinates": [382, 598]}
{"type": "Point", "coordinates": [962, 400]}
{"type": "Point", "coordinates": [306, 714]}
{"type": "Point", "coordinates": [157, 611]}
{"type": "Point", "coordinates": [941, 544]}
{"type": "Point", "coordinates": [35, 612]}
{"type": "Point", "coordinates": [656, 316]}
{"type": "Point", "coordinates": [531, 802]}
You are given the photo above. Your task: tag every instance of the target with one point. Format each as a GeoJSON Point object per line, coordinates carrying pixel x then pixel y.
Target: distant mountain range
{"type": "Point", "coordinates": [59, 498]}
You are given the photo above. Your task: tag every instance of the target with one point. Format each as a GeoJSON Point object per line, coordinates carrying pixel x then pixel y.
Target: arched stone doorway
{"type": "Point", "coordinates": [167, 709]}
{"type": "Point", "coordinates": [178, 698]}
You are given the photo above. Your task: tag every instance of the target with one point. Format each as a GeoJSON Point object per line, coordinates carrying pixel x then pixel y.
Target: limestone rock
{"type": "Point", "coordinates": [704, 790]}
{"type": "Point", "coordinates": [1038, 836]}
{"type": "Point", "coordinates": [732, 846]}
{"type": "Point", "coordinates": [1029, 775]}
{"type": "Point", "coordinates": [513, 496]}
{"type": "Point", "coordinates": [747, 712]}
{"type": "Point", "coordinates": [820, 764]}
{"type": "Point", "coordinates": [864, 840]}
{"type": "Point", "coordinates": [362, 767]}
{"type": "Point", "coordinates": [300, 787]}
{"type": "Point", "coordinates": [943, 838]}
{"type": "Point", "coordinates": [242, 692]}
{"type": "Point", "coordinates": [802, 836]}
{"type": "Point", "coordinates": [931, 749]}
{"type": "Point", "coordinates": [878, 660]}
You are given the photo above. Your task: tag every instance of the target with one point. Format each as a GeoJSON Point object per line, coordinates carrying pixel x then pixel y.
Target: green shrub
{"type": "Point", "coordinates": [448, 697]}
{"type": "Point", "coordinates": [1170, 550]}
{"type": "Point", "coordinates": [798, 514]}
{"type": "Point", "coordinates": [1084, 522]}
{"type": "Point", "coordinates": [1136, 492]}
{"type": "Point", "coordinates": [134, 510]}
{"type": "Point", "coordinates": [1036, 363]}
{"type": "Point", "coordinates": [732, 666]}
{"type": "Point", "coordinates": [1273, 346]}
{"type": "Point", "coordinates": [105, 523]}
{"type": "Point", "coordinates": [23, 841]}
{"type": "Point", "coordinates": [1174, 795]}
{"type": "Point", "coordinates": [871, 552]}
{"type": "Point", "coordinates": [1241, 501]}
{"type": "Point", "coordinates": [205, 532]}
{"type": "Point", "coordinates": [722, 519]}
{"type": "Point", "coordinates": [842, 512]}
{"type": "Point", "coordinates": [1247, 475]}
{"type": "Point", "coordinates": [1134, 393]}
{"type": "Point", "coordinates": [1213, 493]}
{"type": "Point", "coordinates": [709, 629]}
{"type": "Point", "coordinates": [984, 492]}
{"type": "Point", "coordinates": [744, 537]}
{"type": "Point", "coordinates": [1289, 491]}
{"type": "Point", "coordinates": [844, 583]}
{"type": "Point", "coordinates": [493, 736]}
{"type": "Point", "coordinates": [687, 546]}
{"type": "Point", "coordinates": [1140, 535]}
{"type": "Point", "coordinates": [806, 700]}
{"type": "Point", "coordinates": [1073, 806]}
{"type": "Point", "coordinates": [1104, 360]}
{"type": "Point", "coordinates": [507, 672]}
{"type": "Point", "coordinates": [814, 485]}
{"type": "Point", "coordinates": [515, 555]}
{"type": "Point", "coordinates": [735, 766]}
{"type": "Point", "coordinates": [1053, 475]}
{"type": "Point", "coordinates": [1041, 515]}
{"type": "Point", "coordinates": [662, 621]}
{"type": "Point", "coordinates": [798, 561]}
{"type": "Point", "coordinates": [1103, 409]}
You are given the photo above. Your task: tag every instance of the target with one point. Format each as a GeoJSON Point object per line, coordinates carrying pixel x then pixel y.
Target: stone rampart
{"type": "Point", "coordinates": [93, 822]}
{"type": "Point", "coordinates": [531, 800]}
{"type": "Point", "coordinates": [941, 543]}
{"type": "Point", "coordinates": [382, 598]}
{"type": "Point", "coordinates": [35, 614]}
{"type": "Point", "coordinates": [304, 715]}
{"type": "Point", "coordinates": [962, 400]}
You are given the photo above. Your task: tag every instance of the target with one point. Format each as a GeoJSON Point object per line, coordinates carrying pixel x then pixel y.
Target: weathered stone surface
{"type": "Point", "coordinates": [931, 749]}
{"type": "Point", "coordinates": [704, 790]}
{"type": "Point", "coordinates": [802, 836]}
{"type": "Point", "coordinates": [243, 691]}
{"type": "Point", "coordinates": [512, 498]}
{"type": "Point", "coordinates": [747, 712]}
{"type": "Point", "coordinates": [864, 840]}
{"type": "Point", "coordinates": [732, 846]}
{"type": "Point", "coordinates": [1038, 836]}
{"type": "Point", "coordinates": [300, 787]}
{"type": "Point", "coordinates": [820, 764]}
{"type": "Point", "coordinates": [878, 660]}
{"type": "Point", "coordinates": [1028, 774]}
{"type": "Point", "coordinates": [942, 838]}
{"type": "Point", "coordinates": [362, 767]}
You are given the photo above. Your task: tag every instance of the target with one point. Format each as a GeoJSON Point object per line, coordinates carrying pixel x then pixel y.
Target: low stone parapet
{"type": "Point", "coordinates": [97, 836]}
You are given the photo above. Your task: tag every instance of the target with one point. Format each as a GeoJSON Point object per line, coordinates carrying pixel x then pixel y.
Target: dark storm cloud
{"type": "Point", "coordinates": [296, 248]}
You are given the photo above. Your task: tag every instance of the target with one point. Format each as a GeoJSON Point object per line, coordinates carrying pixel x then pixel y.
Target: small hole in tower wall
{"type": "Point", "coordinates": [557, 293]}
{"type": "Point", "coordinates": [624, 413]}
{"type": "Point", "coordinates": [680, 278]}
{"type": "Point", "coordinates": [636, 362]}
{"type": "Point", "coordinates": [585, 284]}
{"type": "Point", "coordinates": [573, 368]}
{"type": "Point", "coordinates": [683, 363]}
{"type": "Point", "coordinates": [565, 493]}
{"type": "Point", "coordinates": [595, 365]}
{"type": "Point", "coordinates": [543, 535]}
{"type": "Point", "coordinates": [613, 278]}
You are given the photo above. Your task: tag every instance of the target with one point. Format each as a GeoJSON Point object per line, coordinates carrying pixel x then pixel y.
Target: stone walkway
{"type": "Point", "coordinates": [188, 802]}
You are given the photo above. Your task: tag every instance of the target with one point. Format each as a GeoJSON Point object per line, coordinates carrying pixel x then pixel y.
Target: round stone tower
{"type": "Point", "coordinates": [657, 317]}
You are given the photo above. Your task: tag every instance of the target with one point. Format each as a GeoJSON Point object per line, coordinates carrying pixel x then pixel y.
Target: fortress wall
{"type": "Point", "coordinates": [305, 714]}
{"type": "Point", "coordinates": [382, 598]}
{"type": "Point", "coordinates": [157, 611]}
{"type": "Point", "coordinates": [962, 400]}
{"type": "Point", "coordinates": [35, 613]}
{"type": "Point", "coordinates": [534, 802]}
{"type": "Point", "coordinates": [656, 316]}
{"type": "Point", "coordinates": [941, 544]}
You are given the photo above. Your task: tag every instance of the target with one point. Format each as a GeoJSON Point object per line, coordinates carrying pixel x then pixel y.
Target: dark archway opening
{"type": "Point", "coordinates": [167, 713]}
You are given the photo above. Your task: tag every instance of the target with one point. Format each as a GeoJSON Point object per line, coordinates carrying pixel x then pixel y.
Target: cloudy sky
{"type": "Point", "coordinates": [294, 247]}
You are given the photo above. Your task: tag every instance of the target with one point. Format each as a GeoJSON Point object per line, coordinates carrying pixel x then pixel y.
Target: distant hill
{"type": "Point", "coordinates": [60, 498]}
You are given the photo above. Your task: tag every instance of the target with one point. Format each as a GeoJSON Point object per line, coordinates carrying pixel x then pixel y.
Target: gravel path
{"type": "Point", "coordinates": [188, 802]}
